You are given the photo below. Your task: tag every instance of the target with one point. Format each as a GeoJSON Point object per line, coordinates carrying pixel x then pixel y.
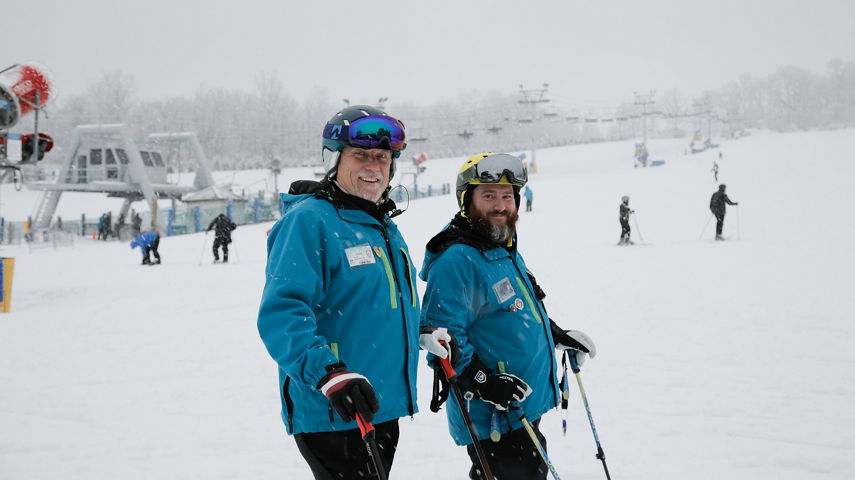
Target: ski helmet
{"type": "Point", "coordinates": [722, 187]}
{"type": "Point", "coordinates": [361, 126]}
{"type": "Point", "coordinates": [624, 199]}
{"type": "Point", "coordinates": [501, 168]}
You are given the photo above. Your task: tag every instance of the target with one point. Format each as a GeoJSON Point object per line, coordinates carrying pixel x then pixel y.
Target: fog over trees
{"type": "Point", "coordinates": [241, 130]}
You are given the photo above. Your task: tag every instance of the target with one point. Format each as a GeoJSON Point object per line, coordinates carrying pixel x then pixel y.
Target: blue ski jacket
{"type": "Point", "coordinates": [143, 240]}
{"type": "Point", "coordinates": [486, 300]}
{"type": "Point", "coordinates": [340, 286]}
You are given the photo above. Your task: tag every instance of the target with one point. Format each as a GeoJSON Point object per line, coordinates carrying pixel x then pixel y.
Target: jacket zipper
{"type": "Point", "coordinates": [404, 318]}
{"type": "Point", "coordinates": [545, 324]}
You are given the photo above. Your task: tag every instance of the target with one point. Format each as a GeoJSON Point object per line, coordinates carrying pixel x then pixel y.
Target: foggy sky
{"type": "Point", "coordinates": [590, 52]}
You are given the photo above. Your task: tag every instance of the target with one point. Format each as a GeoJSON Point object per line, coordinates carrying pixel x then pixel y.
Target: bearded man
{"type": "Point", "coordinates": [480, 290]}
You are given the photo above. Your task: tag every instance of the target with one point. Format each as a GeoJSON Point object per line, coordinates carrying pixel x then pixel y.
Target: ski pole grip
{"type": "Point", "coordinates": [446, 364]}
{"type": "Point", "coordinates": [573, 365]}
{"type": "Point", "coordinates": [365, 426]}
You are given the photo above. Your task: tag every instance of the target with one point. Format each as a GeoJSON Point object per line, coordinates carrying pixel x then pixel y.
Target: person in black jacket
{"type": "Point", "coordinates": [718, 206]}
{"type": "Point", "coordinates": [222, 236]}
{"type": "Point", "coordinates": [623, 217]}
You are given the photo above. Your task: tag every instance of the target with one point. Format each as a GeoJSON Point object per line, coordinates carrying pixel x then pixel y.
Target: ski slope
{"type": "Point", "coordinates": [716, 360]}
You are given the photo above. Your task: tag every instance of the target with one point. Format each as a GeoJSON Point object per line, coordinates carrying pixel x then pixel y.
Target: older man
{"type": "Point", "coordinates": [340, 311]}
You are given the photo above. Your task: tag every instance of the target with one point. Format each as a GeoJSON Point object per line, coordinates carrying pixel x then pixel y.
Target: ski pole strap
{"type": "Point", "coordinates": [495, 434]}
{"type": "Point", "coordinates": [573, 364]}
{"type": "Point", "coordinates": [440, 390]}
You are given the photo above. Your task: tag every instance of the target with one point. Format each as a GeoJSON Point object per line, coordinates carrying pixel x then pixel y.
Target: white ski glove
{"type": "Point", "coordinates": [429, 339]}
{"type": "Point", "coordinates": [575, 340]}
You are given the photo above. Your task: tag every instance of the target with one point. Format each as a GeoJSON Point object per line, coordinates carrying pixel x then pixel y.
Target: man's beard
{"type": "Point", "coordinates": [498, 234]}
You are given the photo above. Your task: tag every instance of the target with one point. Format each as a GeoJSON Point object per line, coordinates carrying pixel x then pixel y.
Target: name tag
{"type": "Point", "coordinates": [503, 290]}
{"type": "Point", "coordinates": [360, 255]}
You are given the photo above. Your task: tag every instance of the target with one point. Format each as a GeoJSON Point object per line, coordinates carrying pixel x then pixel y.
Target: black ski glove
{"type": "Point", "coordinates": [349, 393]}
{"type": "Point", "coordinates": [500, 389]}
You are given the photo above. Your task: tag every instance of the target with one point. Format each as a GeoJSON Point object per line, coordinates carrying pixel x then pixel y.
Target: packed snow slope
{"type": "Point", "coordinates": [715, 359]}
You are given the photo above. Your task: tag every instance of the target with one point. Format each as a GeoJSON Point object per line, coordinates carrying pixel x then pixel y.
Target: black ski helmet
{"type": "Point", "coordinates": [337, 135]}
{"type": "Point", "coordinates": [722, 187]}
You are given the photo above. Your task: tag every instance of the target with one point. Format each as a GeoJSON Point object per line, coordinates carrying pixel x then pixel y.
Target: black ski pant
{"type": "Point", "coordinates": [221, 242]}
{"type": "Point", "coordinates": [152, 248]}
{"type": "Point", "coordinates": [528, 205]}
{"type": "Point", "coordinates": [719, 223]}
{"type": "Point", "coordinates": [344, 456]}
{"type": "Point", "coordinates": [624, 231]}
{"type": "Point", "coordinates": [512, 457]}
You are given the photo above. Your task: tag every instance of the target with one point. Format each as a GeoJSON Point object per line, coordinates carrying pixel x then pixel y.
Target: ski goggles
{"type": "Point", "coordinates": [373, 131]}
{"type": "Point", "coordinates": [492, 168]}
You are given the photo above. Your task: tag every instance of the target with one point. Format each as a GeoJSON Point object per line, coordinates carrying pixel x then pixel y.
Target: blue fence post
{"type": "Point", "coordinates": [170, 220]}
{"type": "Point", "coordinates": [430, 190]}
{"type": "Point", "coordinates": [415, 190]}
{"type": "Point", "coordinates": [198, 214]}
{"type": "Point", "coordinates": [255, 209]}
{"type": "Point", "coordinates": [229, 210]}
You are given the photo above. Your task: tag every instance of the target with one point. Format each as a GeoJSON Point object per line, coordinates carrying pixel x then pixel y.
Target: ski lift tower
{"type": "Point", "coordinates": [644, 99]}
{"type": "Point", "coordinates": [533, 97]}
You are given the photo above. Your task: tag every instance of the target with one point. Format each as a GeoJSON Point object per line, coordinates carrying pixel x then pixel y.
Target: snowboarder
{"type": "Point", "coordinates": [148, 243]}
{"type": "Point", "coordinates": [718, 207]}
{"type": "Point", "coordinates": [529, 197]}
{"type": "Point", "coordinates": [476, 290]}
{"type": "Point", "coordinates": [623, 217]}
{"type": "Point", "coordinates": [340, 312]}
{"type": "Point", "coordinates": [222, 236]}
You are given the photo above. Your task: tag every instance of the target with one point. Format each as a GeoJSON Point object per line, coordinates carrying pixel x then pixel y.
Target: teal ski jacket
{"type": "Point", "coordinates": [340, 286]}
{"type": "Point", "coordinates": [485, 298]}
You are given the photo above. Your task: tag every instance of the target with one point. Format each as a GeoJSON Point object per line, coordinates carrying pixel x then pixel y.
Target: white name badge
{"type": "Point", "coordinates": [360, 255]}
{"type": "Point", "coordinates": [503, 290]}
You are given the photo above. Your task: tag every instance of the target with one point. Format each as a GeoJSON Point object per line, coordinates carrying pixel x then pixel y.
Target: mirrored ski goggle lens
{"type": "Point", "coordinates": [491, 169]}
{"type": "Point", "coordinates": [375, 130]}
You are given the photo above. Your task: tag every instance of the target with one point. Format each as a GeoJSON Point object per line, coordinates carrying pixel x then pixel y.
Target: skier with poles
{"type": "Point", "coordinates": [718, 207]}
{"type": "Point", "coordinates": [222, 236]}
{"type": "Point", "coordinates": [623, 218]}
{"type": "Point", "coordinates": [340, 312]}
{"type": "Point", "coordinates": [478, 287]}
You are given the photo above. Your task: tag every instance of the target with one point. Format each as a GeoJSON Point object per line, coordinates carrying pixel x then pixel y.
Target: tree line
{"type": "Point", "coordinates": [240, 130]}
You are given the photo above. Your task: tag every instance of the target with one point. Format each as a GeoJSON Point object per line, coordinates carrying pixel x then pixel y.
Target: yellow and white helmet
{"type": "Point", "coordinates": [501, 168]}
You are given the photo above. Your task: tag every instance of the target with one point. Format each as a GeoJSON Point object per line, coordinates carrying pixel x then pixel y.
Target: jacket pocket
{"type": "Point", "coordinates": [289, 404]}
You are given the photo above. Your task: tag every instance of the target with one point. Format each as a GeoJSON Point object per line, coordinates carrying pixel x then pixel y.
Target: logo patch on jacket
{"type": "Point", "coordinates": [503, 290]}
{"type": "Point", "coordinates": [516, 306]}
{"type": "Point", "coordinates": [359, 255]}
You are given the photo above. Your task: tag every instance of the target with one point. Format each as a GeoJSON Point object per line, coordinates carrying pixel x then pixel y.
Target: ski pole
{"type": "Point", "coordinates": [565, 394]}
{"type": "Point", "coordinates": [705, 227]}
{"type": "Point", "coordinates": [635, 221]}
{"type": "Point", "coordinates": [738, 233]}
{"type": "Point", "coordinates": [536, 442]}
{"type": "Point", "coordinates": [204, 244]}
{"type": "Point", "coordinates": [367, 431]}
{"type": "Point", "coordinates": [451, 376]}
{"type": "Point", "coordinates": [600, 453]}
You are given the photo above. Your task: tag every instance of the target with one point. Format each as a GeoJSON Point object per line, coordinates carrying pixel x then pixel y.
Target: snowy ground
{"type": "Point", "coordinates": [716, 360]}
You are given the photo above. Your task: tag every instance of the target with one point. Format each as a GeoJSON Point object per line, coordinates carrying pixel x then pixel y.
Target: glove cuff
{"type": "Point", "coordinates": [332, 369]}
{"type": "Point", "coordinates": [474, 376]}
